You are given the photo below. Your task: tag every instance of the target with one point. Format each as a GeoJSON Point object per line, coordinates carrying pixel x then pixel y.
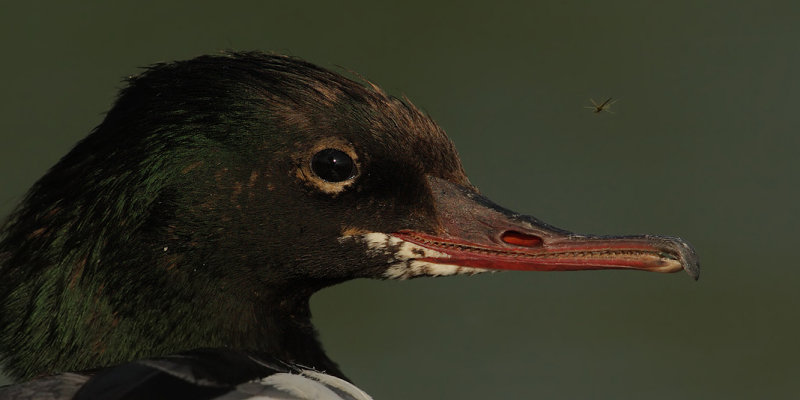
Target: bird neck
{"type": "Point", "coordinates": [102, 322]}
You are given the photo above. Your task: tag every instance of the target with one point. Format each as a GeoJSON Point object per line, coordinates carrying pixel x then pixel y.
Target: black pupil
{"type": "Point", "coordinates": [332, 165]}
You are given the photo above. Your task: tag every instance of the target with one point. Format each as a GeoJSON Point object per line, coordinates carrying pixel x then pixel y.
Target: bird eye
{"type": "Point", "coordinates": [333, 165]}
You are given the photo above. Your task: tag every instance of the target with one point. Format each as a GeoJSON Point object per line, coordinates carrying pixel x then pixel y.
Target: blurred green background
{"type": "Point", "coordinates": [703, 144]}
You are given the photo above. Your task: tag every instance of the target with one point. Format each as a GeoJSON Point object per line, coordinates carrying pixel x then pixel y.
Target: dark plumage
{"type": "Point", "coordinates": [175, 185]}
{"type": "Point", "coordinates": [196, 216]}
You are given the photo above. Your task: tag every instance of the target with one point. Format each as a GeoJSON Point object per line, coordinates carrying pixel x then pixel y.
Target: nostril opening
{"type": "Point", "coordinates": [521, 239]}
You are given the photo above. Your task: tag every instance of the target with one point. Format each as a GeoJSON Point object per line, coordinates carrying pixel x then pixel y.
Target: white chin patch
{"type": "Point", "coordinates": [404, 257]}
{"type": "Point", "coordinates": [414, 268]}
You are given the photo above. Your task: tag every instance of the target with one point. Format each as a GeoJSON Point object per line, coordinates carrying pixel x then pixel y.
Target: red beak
{"type": "Point", "coordinates": [474, 232]}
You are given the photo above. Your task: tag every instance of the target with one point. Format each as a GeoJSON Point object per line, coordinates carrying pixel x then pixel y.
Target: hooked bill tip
{"type": "Point", "coordinates": [690, 261]}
